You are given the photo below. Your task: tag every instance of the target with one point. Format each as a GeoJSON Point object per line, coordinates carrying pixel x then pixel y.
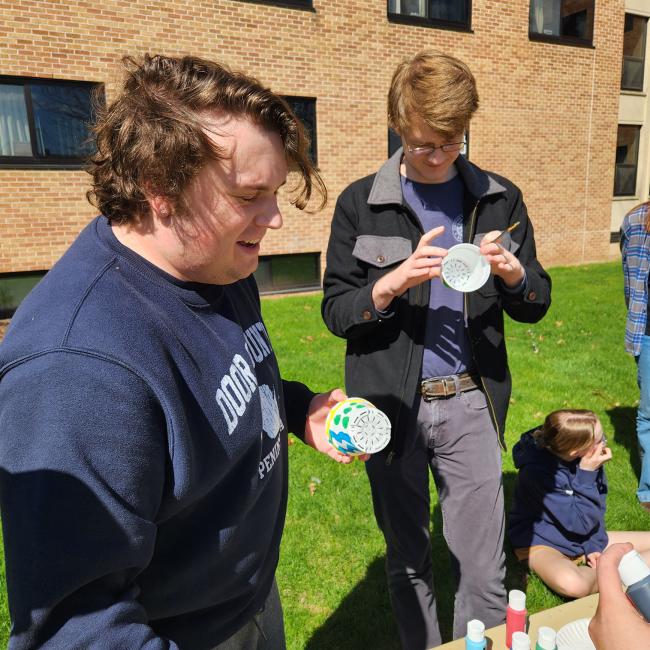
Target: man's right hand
{"type": "Point", "coordinates": [423, 264]}
{"type": "Point", "coordinates": [617, 625]}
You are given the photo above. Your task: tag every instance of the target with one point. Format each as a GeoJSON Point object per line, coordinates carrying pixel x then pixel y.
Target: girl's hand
{"type": "Point", "coordinates": [595, 458]}
{"type": "Point", "coordinates": [592, 559]}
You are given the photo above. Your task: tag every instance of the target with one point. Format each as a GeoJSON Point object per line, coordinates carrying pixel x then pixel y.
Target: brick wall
{"type": "Point", "coordinates": [547, 120]}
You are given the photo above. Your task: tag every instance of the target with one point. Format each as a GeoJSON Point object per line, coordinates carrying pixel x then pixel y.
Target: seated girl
{"type": "Point", "coordinates": [557, 521]}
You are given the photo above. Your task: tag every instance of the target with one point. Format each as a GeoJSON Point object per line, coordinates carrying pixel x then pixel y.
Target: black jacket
{"type": "Point", "coordinates": [373, 231]}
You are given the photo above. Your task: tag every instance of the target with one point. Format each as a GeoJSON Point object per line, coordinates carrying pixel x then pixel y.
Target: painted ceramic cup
{"type": "Point", "coordinates": [356, 427]}
{"type": "Point", "coordinates": [464, 268]}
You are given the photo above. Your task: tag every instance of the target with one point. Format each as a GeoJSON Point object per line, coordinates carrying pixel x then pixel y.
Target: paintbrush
{"type": "Point", "coordinates": [503, 232]}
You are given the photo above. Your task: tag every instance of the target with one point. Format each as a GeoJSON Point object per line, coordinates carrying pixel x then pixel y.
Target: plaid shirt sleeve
{"type": "Point", "coordinates": [635, 250]}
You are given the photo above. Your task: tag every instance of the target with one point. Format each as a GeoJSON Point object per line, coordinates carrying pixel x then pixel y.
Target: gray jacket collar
{"type": "Point", "coordinates": [387, 186]}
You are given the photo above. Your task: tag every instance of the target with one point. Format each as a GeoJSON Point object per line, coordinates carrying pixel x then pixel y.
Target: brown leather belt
{"type": "Point", "coordinates": [437, 387]}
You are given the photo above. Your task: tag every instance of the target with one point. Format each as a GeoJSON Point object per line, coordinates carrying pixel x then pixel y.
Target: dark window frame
{"type": "Point", "coordinates": [8, 311]}
{"type": "Point", "coordinates": [436, 23]}
{"type": "Point", "coordinates": [317, 282]}
{"type": "Point", "coordinates": [552, 39]}
{"type": "Point", "coordinates": [628, 58]}
{"type": "Point", "coordinates": [628, 165]}
{"type": "Point", "coordinates": [36, 161]}
{"type": "Point", "coordinates": [303, 5]}
{"type": "Point", "coordinates": [312, 135]}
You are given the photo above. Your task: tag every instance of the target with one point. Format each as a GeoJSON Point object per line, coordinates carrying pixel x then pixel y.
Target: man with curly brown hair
{"type": "Point", "coordinates": [143, 456]}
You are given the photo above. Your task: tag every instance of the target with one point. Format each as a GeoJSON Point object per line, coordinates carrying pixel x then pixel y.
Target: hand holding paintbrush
{"type": "Point", "coordinates": [499, 237]}
{"type": "Point", "coordinates": [502, 262]}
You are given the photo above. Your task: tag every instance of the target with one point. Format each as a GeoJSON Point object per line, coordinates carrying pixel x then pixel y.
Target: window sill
{"type": "Point", "coordinates": [43, 166]}
{"type": "Point", "coordinates": [561, 40]}
{"type": "Point", "coordinates": [431, 23]}
{"type": "Point", "coordinates": [284, 4]}
{"type": "Point", "coordinates": [633, 93]}
{"type": "Point", "coordinates": [626, 197]}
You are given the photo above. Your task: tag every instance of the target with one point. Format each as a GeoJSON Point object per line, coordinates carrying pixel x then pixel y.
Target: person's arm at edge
{"type": "Point", "coordinates": [617, 625]}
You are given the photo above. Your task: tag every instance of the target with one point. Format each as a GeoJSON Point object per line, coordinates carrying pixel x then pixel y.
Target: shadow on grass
{"type": "Point", "coordinates": [364, 619]}
{"type": "Point", "coordinates": [623, 421]}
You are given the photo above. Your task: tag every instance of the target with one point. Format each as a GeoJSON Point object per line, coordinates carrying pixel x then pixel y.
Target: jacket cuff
{"type": "Point", "coordinates": [585, 477]}
{"type": "Point", "coordinates": [515, 292]}
{"type": "Point", "coordinates": [365, 310]}
{"type": "Point", "coordinates": [297, 398]}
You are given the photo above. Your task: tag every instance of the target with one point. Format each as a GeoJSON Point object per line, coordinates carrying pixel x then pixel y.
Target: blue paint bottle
{"type": "Point", "coordinates": [635, 575]}
{"type": "Point", "coordinates": [475, 639]}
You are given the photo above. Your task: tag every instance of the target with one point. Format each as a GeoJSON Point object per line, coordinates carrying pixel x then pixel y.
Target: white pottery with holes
{"type": "Point", "coordinates": [464, 268]}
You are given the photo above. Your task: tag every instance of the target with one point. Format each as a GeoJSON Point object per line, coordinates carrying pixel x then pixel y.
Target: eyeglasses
{"type": "Point", "coordinates": [428, 149]}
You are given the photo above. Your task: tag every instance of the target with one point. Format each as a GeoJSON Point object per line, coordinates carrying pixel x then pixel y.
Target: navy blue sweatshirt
{"type": "Point", "coordinates": [143, 455]}
{"type": "Point", "coordinates": [556, 503]}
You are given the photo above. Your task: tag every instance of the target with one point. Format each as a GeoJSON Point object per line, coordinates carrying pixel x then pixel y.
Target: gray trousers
{"type": "Point", "coordinates": [456, 439]}
{"type": "Point", "coordinates": [265, 631]}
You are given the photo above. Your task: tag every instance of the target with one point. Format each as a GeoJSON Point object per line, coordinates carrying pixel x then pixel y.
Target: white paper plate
{"type": "Point", "coordinates": [464, 268]}
{"type": "Point", "coordinates": [575, 636]}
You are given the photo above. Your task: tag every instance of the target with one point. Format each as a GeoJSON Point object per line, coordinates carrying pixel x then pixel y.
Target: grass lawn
{"type": "Point", "coordinates": [331, 572]}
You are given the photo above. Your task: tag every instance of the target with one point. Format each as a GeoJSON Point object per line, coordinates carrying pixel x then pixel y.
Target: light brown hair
{"type": "Point", "coordinates": [436, 87]}
{"type": "Point", "coordinates": [150, 140]}
{"type": "Point", "coordinates": [567, 430]}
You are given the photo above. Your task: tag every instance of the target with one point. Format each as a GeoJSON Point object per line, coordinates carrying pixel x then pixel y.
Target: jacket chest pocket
{"type": "Point", "coordinates": [381, 253]}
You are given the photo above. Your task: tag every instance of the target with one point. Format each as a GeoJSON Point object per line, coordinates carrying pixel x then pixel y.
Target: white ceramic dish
{"type": "Point", "coordinates": [575, 636]}
{"type": "Point", "coordinates": [464, 268]}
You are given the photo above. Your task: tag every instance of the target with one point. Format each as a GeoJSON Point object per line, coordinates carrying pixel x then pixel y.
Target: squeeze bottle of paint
{"type": "Point", "coordinates": [545, 639]}
{"type": "Point", "coordinates": [515, 615]}
{"type": "Point", "coordinates": [520, 641]}
{"type": "Point", "coordinates": [635, 575]}
{"type": "Point", "coordinates": [475, 639]}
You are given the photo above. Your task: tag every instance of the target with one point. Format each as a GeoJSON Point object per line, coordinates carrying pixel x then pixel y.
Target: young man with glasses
{"type": "Point", "coordinates": [432, 358]}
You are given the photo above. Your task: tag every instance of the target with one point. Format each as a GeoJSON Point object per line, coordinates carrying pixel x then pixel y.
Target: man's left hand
{"type": "Point", "coordinates": [315, 432]}
{"type": "Point", "coordinates": [502, 262]}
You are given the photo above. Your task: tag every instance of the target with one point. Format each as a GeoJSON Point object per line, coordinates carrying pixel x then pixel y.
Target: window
{"type": "Point", "coordinates": [570, 21]}
{"type": "Point", "coordinates": [45, 121]}
{"type": "Point", "coordinates": [14, 287]}
{"type": "Point", "coordinates": [395, 142]}
{"type": "Point", "coordinates": [278, 273]}
{"type": "Point", "coordinates": [305, 110]}
{"type": "Point", "coordinates": [306, 4]}
{"type": "Point", "coordinates": [443, 13]}
{"type": "Point", "coordinates": [633, 52]}
{"type": "Point", "coordinates": [627, 151]}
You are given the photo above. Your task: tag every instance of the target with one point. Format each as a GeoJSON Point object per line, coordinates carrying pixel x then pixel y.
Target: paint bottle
{"type": "Point", "coordinates": [545, 639]}
{"type": "Point", "coordinates": [515, 614]}
{"type": "Point", "coordinates": [475, 639]}
{"type": "Point", "coordinates": [635, 575]}
{"type": "Point", "coordinates": [520, 641]}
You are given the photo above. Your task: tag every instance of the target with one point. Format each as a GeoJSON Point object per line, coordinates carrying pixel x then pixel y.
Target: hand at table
{"type": "Point", "coordinates": [617, 625]}
{"type": "Point", "coordinates": [315, 431]}
{"type": "Point", "coordinates": [422, 265]}
{"type": "Point", "coordinates": [502, 262]}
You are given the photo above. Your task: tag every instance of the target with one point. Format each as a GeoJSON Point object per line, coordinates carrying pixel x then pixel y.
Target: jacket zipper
{"type": "Point", "coordinates": [472, 225]}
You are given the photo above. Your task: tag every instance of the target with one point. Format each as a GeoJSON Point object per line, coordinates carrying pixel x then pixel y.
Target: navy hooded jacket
{"type": "Point", "coordinates": [556, 503]}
